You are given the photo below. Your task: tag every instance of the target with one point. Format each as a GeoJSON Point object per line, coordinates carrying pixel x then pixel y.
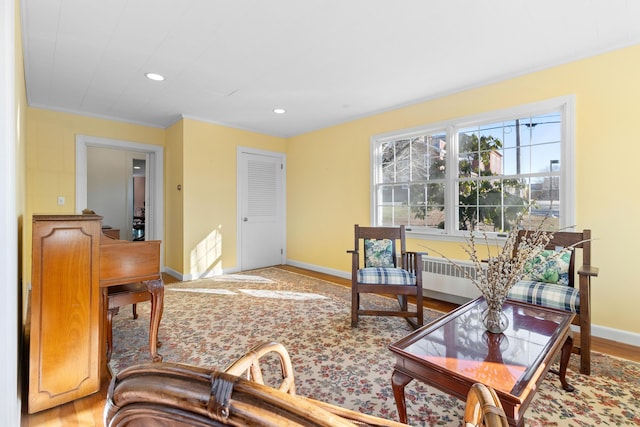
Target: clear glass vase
{"type": "Point", "coordinates": [493, 318]}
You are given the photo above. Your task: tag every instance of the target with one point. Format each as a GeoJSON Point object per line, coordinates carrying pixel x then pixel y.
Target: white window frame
{"type": "Point", "coordinates": [565, 105]}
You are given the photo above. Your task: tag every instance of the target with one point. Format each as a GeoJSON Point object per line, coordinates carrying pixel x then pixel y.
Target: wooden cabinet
{"type": "Point", "coordinates": [65, 309]}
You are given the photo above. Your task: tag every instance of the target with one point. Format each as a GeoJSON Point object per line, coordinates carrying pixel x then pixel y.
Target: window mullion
{"type": "Point", "coordinates": [567, 171]}
{"type": "Point", "coordinates": [452, 180]}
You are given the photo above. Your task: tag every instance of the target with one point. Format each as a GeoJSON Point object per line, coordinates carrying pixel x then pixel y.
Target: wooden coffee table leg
{"type": "Point", "coordinates": [564, 361]}
{"type": "Point", "coordinates": [398, 382]}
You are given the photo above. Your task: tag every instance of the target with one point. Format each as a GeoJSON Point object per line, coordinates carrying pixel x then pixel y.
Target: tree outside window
{"type": "Point", "coordinates": [441, 180]}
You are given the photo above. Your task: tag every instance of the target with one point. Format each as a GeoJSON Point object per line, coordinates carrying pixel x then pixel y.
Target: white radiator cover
{"type": "Point", "coordinates": [443, 281]}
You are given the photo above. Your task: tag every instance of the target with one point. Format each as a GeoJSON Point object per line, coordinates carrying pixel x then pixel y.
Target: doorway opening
{"type": "Point", "coordinates": [139, 200]}
{"type": "Point", "coordinates": [153, 204]}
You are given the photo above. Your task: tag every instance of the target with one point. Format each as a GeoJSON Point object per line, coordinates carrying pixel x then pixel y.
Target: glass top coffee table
{"type": "Point", "coordinates": [455, 351]}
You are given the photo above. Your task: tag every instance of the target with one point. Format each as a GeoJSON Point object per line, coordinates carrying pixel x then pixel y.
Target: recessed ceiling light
{"type": "Point", "coordinates": [279, 110]}
{"type": "Point", "coordinates": [154, 76]}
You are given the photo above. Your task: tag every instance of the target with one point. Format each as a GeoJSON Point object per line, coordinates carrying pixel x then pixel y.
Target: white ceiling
{"type": "Point", "coordinates": [325, 61]}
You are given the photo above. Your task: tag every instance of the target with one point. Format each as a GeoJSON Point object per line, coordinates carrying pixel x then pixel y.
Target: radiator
{"type": "Point", "coordinates": [443, 281]}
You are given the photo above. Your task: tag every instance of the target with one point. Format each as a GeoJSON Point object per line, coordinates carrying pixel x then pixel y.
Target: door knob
{"type": "Point", "coordinates": [245, 219]}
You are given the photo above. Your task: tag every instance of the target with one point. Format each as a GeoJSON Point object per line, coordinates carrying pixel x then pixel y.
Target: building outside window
{"type": "Point", "coordinates": [484, 170]}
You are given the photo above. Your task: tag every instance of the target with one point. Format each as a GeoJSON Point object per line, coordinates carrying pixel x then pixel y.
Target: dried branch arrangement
{"type": "Point", "coordinates": [505, 265]}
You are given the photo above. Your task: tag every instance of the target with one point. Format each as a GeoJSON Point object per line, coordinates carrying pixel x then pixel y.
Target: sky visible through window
{"type": "Point", "coordinates": [539, 145]}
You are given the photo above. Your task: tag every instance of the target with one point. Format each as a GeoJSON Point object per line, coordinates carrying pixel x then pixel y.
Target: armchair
{"type": "Point", "coordinates": [381, 264]}
{"type": "Point", "coordinates": [554, 285]}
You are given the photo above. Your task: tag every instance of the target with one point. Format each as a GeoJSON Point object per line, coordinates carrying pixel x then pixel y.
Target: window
{"type": "Point", "coordinates": [486, 169]}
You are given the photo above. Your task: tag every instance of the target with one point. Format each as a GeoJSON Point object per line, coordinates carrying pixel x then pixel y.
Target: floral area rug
{"type": "Point", "coordinates": [212, 322]}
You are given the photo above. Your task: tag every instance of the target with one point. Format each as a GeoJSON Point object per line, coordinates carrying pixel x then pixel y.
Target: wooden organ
{"type": "Point", "coordinates": [74, 264]}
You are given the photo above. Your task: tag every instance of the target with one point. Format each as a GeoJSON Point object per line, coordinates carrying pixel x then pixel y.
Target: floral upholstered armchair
{"type": "Point", "coordinates": [550, 282]}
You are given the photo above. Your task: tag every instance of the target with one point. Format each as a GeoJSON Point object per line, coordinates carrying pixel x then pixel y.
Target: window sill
{"type": "Point", "coordinates": [456, 238]}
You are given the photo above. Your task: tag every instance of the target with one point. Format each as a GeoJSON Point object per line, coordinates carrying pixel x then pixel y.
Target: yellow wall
{"type": "Point", "coordinates": [209, 188]}
{"type": "Point", "coordinates": [51, 158]}
{"type": "Point", "coordinates": [173, 199]}
{"type": "Point", "coordinates": [328, 178]}
{"type": "Point", "coordinates": [200, 157]}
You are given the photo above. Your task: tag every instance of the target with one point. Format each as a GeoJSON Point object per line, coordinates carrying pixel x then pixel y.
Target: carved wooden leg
{"type": "Point", "coordinates": [156, 289]}
{"type": "Point", "coordinates": [564, 361]}
{"type": "Point", "coordinates": [398, 382]}
{"type": "Point", "coordinates": [110, 313]}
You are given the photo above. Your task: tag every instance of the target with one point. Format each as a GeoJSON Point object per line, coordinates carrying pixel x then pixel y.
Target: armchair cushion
{"type": "Point", "coordinates": [546, 294]}
{"type": "Point", "coordinates": [385, 276]}
{"type": "Point", "coordinates": [549, 266]}
{"type": "Point", "coordinates": [378, 253]}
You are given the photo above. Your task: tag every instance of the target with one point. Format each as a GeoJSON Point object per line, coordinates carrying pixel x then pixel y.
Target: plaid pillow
{"type": "Point", "coordinates": [549, 267]}
{"type": "Point", "coordinates": [378, 253]}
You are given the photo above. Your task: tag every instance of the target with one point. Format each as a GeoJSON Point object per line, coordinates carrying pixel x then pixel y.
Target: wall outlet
{"type": "Point", "coordinates": [60, 200]}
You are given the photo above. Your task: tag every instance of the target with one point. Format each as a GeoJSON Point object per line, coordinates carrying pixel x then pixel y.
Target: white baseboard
{"type": "Point", "coordinates": [196, 276]}
{"type": "Point", "coordinates": [320, 269]}
{"type": "Point", "coordinates": [173, 273]}
{"type": "Point", "coordinates": [618, 335]}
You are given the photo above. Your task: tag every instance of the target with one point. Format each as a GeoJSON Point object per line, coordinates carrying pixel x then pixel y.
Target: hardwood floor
{"type": "Point", "coordinates": [88, 411]}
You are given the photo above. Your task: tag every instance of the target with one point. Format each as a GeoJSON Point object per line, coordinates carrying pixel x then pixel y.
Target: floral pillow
{"type": "Point", "coordinates": [378, 253]}
{"type": "Point", "coordinates": [549, 266]}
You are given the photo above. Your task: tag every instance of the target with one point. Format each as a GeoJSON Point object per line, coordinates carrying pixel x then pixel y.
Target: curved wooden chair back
{"type": "Point", "coordinates": [483, 408]}
{"type": "Point", "coordinates": [249, 366]}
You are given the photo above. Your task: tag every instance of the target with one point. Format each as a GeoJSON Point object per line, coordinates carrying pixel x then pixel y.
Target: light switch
{"type": "Point", "coordinates": [60, 200]}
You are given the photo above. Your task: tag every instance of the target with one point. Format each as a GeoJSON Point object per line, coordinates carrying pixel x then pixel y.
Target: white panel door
{"type": "Point", "coordinates": [261, 185]}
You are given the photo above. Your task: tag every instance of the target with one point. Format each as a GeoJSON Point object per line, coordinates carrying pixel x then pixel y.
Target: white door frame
{"type": "Point", "coordinates": [240, 179]}
{"type": "Point", "coordinates": [154, 224]}
{"type": "Point", "coordinates": [11, 214]}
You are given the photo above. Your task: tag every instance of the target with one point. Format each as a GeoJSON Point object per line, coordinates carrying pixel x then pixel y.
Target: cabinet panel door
{"type": "Point", "coordinates": [65, 313]}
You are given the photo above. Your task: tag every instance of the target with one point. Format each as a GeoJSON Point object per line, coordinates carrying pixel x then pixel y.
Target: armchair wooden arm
{"type": "Point", "coordinates": [355, 262]}
{"type": "Point", "coordinates": [412, 261]}
{"type": "Point", "coordinates": [588, 270]}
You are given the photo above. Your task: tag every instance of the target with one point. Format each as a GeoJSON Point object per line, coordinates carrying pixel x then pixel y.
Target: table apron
{"type": "Point", "coordinates": [457, 386]}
